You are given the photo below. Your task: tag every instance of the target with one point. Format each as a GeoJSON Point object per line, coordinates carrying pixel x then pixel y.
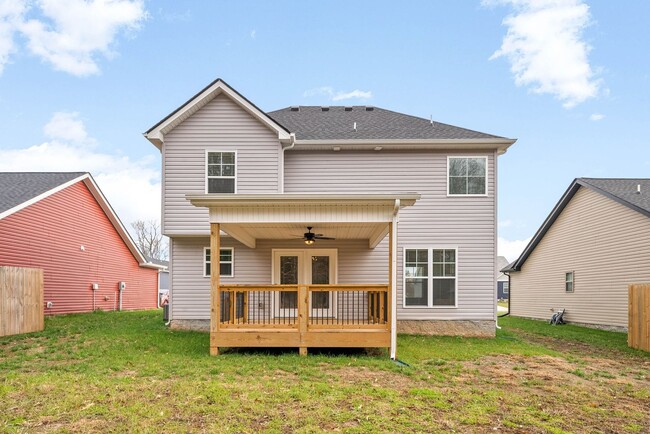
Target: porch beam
{"type": "Point", "coordinates": [240, 235]}
{"type": "Point", "coordinates": [215, 290]}
{"type": "Point", "coordinates": [377, 236]}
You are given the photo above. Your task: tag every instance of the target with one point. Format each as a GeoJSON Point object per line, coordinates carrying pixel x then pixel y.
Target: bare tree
{"type": "Point", "coordinates": [149, 239]}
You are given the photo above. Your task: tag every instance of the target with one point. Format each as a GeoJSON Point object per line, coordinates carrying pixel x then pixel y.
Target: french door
{"type": "Point", "coordinates": [304, 267]}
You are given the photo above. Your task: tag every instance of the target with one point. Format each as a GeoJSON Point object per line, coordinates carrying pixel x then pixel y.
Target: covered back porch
{"type": "Point", "coordinates": [304, 305]}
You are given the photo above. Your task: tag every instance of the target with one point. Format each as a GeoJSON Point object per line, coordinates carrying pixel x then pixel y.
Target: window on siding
{"type": "Point", "coordinates": [226, 262]}
{"type": "Point", "coordinates": [416, 273]}
{"type": "Point", "coordinates": [568, 281]}
{"type": "Point", "coordinates": [430, 277]}
{"type": "Point", "coordinates": [467, 176]}
{"type": "Point", "coordinates": [220, 172]}
{"type": "Point", "coordinates": [506, 287]}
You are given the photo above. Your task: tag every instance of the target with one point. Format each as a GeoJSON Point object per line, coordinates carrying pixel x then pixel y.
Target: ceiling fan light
{"type": "Point", "coordinates": [309, 242]}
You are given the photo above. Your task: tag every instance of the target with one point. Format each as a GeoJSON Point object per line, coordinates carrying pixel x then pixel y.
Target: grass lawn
{"type": "Point", "coordinates": [126, 372]}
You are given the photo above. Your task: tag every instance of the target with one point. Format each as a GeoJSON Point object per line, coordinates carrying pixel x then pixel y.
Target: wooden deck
{"type": "Point", "coordinates": [250, 316]}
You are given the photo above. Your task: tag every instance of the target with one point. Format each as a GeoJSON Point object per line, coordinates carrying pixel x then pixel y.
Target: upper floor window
{"type": "Point", "coordinates": [467, 176]}
{"type": "Point", "coordinates": [220, 172]}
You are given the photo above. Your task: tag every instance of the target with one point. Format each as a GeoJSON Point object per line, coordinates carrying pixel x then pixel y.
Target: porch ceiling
{"type": "Point", "coordinates": [249, 217]}
{"type": "Point", "coordinates": [373, 232]}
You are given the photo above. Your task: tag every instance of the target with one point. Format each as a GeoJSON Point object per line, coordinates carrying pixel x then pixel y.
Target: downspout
{"type": "Point", "coordinates": [292, 143]}
{"type": "Point", "coordinates": [393, 282]}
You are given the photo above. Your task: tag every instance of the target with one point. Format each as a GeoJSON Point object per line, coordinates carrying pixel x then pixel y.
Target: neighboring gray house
{"type": "Point", "coordinates": [503, 285]}
{"type": "Point", "coordinates": [595, 242]}
{"type": "Point", "coordinates": [163, 278]}
{"type": "Point", "coordinates": [406, 208]}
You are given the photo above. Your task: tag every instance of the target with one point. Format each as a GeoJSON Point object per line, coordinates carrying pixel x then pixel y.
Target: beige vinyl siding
{"type": "Point", "coordinates": [606, 245]}
{"type": "Point", "coordinates": [191, 290]}
{"type": "Point", "coordinates": [221, 125]}
{"type": "Point", "coordinates": [467, 223]}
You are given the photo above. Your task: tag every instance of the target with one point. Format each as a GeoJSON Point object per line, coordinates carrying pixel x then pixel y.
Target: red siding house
{"type": "Point", "coordinates": [62, 223]}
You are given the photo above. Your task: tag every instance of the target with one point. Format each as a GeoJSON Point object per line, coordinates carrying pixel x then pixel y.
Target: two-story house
{"type": "Point", "coordinates": [326, 226]}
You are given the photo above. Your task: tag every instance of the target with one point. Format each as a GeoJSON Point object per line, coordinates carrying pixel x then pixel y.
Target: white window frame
{"type": "Point", "coordinates": [506, 287]}
{"type": "Point", "coordinates": [232, 262]}
{"type": "Point", "coordinates": [429, 277]}
{"type": "Point", "coordinates": [205, 168]}
{"type": "Point", "coordinates": [573, 281]}
{"type": "Point", "coordinates": [486, 175]}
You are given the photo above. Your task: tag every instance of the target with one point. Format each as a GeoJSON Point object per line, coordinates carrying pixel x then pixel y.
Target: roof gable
{"type": "Point", "coordinates": [218, 87]}
{"type": "Point", "coordinates": [633, 193]}
{"type": "Point", "coordinates": [19, 190]}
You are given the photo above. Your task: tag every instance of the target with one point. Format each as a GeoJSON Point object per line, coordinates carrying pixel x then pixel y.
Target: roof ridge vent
{"type": "Point", "coordinates": [325, 108]}
{"type": "Point", "coordinates": [295, 108]}
{"type": "Point", "coordinates": [369, 108]}
{"type": "Point", "coordinates": [348, 108]}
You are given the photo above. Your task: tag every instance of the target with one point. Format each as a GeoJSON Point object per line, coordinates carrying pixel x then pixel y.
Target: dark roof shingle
{"type": "Point", "coordinates": [19, 187]}
{"type": "Point", "coordinates": [625, 189]}
{"type": "Point", "coordinates": [373, 123]}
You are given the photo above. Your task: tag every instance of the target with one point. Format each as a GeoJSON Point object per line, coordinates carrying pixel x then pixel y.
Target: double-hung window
{"type": "Point", "coordinates": [226, 262]}
{"type": "Point", "coordinates": [430, 277]}
{"type": "Point", "coordinates": [467, 176]}
{"type": "Point", "coordinates": [220, 172]}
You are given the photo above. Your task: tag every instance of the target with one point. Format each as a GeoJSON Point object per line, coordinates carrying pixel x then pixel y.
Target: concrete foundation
{"type": "Point", "coordinates": [483, 329]}
{"type": "Point", "coordinates": [200, 325]}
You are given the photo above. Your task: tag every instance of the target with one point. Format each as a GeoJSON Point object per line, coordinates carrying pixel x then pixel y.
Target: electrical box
{"type": "Point", "coordinates": [122, 286]}
{"type": "Point", "coordinates": [95, 286]}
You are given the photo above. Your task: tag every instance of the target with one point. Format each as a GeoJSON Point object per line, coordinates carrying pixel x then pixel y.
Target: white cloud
{"type": "Point", "coordinates": [597, 117]}
{"type": "Point", "coordinates": [68, 34]}
{"type": "Point", "coordinates": [511, 249]}
{"type": "Point", "coordinates": [545, 48]}
{"type": "Point", "coordinates": [131, 186]}
{"type": "Point", "coordinates": [333, 95]}
{"type": "Point", "coordinates": [354, 94]}
{"type": "Point", "coordinates": [253, 33]}
{"type": "Point", "coordinates": [66, 126]}
{"type": "Point", "coordinates": [11, 15]}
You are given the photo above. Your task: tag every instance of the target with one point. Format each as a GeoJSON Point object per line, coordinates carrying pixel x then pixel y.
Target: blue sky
{"type": "Point", "coordinates": [570, 79]}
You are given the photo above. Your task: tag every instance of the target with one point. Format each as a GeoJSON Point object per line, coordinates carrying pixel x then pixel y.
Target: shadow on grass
{"type": "Point", "coordinates": [327, 352]}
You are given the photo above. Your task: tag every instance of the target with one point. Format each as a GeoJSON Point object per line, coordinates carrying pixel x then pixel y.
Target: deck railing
{"type": "Point", "coordinates": [321, 306]}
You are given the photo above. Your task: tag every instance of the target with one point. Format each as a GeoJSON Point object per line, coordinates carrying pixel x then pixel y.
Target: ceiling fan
{"type": "Point", "coordinates": [310, 237]}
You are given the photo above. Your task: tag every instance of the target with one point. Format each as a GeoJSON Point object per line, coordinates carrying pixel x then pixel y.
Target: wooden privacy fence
{"type": "Point", "coordinates": [21, 300]}
{"type": "Point", "coordinates": [638, 331]}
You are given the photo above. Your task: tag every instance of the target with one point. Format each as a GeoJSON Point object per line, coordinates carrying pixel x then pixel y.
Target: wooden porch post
{"type": "Point", "coordinates": [215, 290]}
{"type": "Point", "coordinates": [303, 316]}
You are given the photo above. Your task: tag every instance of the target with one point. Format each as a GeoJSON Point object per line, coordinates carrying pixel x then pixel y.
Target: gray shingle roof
{"type": "Point", "coordinates": [337, 123]}
{"type": "Point", "coordinates": [19, 187]}
{"type": "Point", "coordinates": [625, 189]}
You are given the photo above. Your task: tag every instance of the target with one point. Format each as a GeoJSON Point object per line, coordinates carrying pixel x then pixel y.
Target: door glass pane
{"type": "Point", "coordinates": [288, 270]}
{"type": "Point", "coordinates": [320, 275]}
{"type": "Point", "coordinates": [288, 276]}
{"type": "Point", "coordinates": [320, 270]}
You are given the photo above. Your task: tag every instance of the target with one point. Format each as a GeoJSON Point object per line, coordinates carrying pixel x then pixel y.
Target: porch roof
{"type": "Point", "coordinates": [249, 217]}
